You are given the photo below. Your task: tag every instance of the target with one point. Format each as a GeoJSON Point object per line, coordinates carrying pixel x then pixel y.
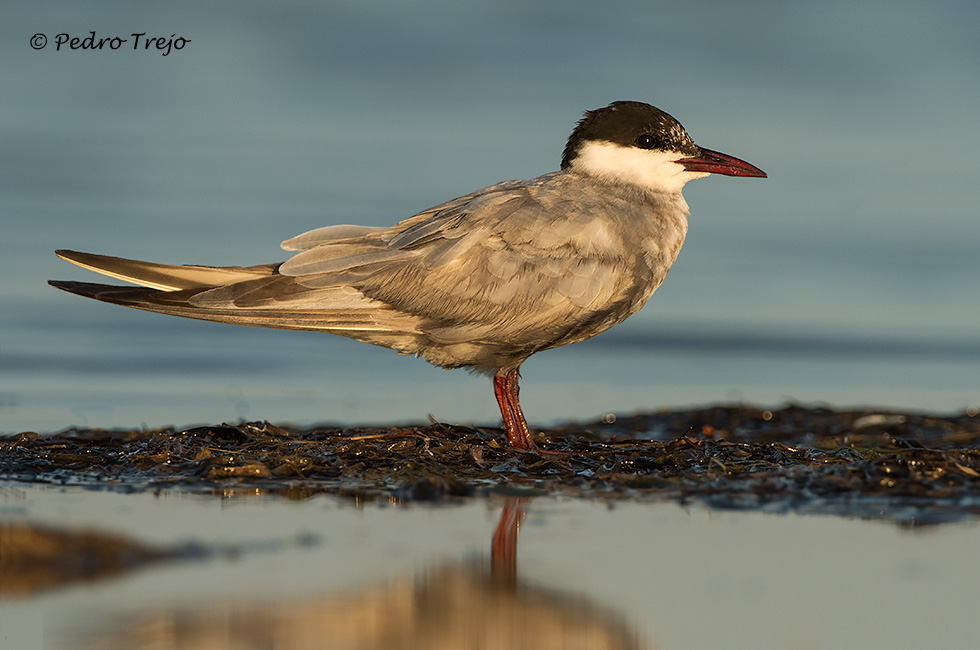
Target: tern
{"type": "Point", "coordinates": [480, 282]}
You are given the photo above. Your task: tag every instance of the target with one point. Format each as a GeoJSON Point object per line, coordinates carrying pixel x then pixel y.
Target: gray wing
{"type": "Point", "coordinates": [257, 296]}
{"type": "Point", "coordinates": [484, 280]}
{"type": "Point", "coordinates": [519, 265]}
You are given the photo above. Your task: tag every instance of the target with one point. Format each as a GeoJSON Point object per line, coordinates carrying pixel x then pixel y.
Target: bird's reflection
{"type": "Point", "coordinates": [503, 556]}
{"type": "Point", "coordinates": [447, 607]}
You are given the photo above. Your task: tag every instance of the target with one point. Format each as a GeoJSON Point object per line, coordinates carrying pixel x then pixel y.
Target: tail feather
{"type": "Point", "coordinates": [256, 296]}
{"type": "Point", "coordinates": [370, 319]}
{"type": "Point", "coordinates": [164, 277]}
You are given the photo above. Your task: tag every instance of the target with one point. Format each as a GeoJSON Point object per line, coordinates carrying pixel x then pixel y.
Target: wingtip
{"type": "Point", "coordinates": [77, 288]}
{"type": "Point", "coordinates": [66, 254]}
{"type": "Point", "coordinates": [103, 292]}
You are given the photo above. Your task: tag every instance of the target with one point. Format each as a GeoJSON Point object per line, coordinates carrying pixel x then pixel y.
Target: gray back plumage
{"type": "Point", "coordinates": [482, 281]}
{"type": "Point", "coordinates": [496, 275]}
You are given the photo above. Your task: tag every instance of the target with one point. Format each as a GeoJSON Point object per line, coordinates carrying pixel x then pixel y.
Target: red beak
{"type": "Point", "coordinates": [715, 162]}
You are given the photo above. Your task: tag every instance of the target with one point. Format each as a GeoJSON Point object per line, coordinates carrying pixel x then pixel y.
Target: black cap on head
{"type": "Point", "coordinates": [630, 124]}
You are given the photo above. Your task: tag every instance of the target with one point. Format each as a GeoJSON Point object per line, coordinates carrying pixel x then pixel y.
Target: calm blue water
{"type": "Point", "coordinates": [850, 276]}
{"type": "Point", "coordinates": [302, 571]}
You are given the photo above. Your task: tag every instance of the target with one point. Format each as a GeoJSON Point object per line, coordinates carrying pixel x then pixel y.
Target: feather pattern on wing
{"type": "Point", "coordinates": [482, 281]}
{"type": "Point", "coordinates": [511, 269]}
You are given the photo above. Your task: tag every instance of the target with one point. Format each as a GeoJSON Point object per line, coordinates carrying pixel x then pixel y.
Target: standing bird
{"type": "Point", "coordinates": [480, 282]}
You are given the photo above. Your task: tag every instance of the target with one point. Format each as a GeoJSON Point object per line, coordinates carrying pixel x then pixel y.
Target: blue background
{"type": "Point", "coordinates": [850, 276]}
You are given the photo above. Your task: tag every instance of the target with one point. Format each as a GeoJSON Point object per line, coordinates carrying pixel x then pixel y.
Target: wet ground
{"type": "Point", "coordinates": [914, 468]}
{"type": "Point", "coordinates": [260, 536]}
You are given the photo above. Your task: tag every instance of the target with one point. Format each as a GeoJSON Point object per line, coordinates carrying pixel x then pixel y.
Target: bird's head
{"type": "Point", "coordinates": [637, 144]}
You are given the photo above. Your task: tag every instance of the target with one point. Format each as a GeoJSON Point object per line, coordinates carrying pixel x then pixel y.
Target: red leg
{"type": "Point", "coordinates": [506, 390]}
{"type": "Point", "coordinates": [521, 424]}
{"type": "Point", "coordinates": [503, 401]}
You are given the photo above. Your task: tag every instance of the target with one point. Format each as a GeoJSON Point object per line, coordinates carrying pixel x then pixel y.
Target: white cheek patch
{"type": "Point", "coordinates": [657, 171]}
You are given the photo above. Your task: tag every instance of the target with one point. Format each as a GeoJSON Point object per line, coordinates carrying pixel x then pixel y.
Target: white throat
{"type": "Point", "coordinates": [657, 171]}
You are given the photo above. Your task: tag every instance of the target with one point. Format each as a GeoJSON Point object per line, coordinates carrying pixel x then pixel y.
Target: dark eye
{"type": "Point", "coordinates": [646, 141]}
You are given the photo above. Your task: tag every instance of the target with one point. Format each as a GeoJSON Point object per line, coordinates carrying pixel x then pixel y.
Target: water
{"type": "Point", "coordinates": [852, 269]}
{"type": "Point", "coordinates": [675, 577]}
